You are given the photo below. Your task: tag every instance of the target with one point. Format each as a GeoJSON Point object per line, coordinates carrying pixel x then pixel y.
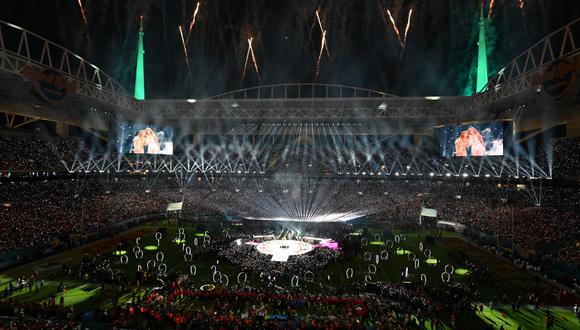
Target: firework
{"type": "Point", "coordinates": [192, 24]}
{"type": "Point", "coordinates": [253, 57]}
{"type": "Point", "coordinates": [83, 12]}
{"type": "Point", "coordinates": [320, 53]}
{"type": "Point", "coordinates": [85, 20]}
{"type": "Point", "coordinates": [395, 28]}
{"type": "Point", "coordinates": [521, 4]}
{"type": "Point", "coordinates": [249, 53]}
{"type": "Point", "coordinates": [407, 28]}
{"type": "Point", "coordinates": [491, 3]}
{"type": "Point", "coordinates": [325, 45]}
{"type": "Point", "coordinates": [185, 54]}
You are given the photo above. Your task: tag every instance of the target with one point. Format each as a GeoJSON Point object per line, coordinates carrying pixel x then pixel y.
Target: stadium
{"type": "Point", "coordinates": [297, 165]}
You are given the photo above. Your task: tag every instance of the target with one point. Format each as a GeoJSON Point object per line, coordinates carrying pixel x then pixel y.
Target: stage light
{"type": "Point", "coordinates": [191, 100]}
{"type": "Point", "coordinates": [447, 174]}
{"type": "Point", "coordinates": [431, 174]}
{"type": "Point", "coordinates": [396, 173]}
{"type": "Point", "coordinates": [382, 106]}
{"type": "Point", "coordinates": [432, 98]}
{"type": "Point", "coordinates": [465, 175]}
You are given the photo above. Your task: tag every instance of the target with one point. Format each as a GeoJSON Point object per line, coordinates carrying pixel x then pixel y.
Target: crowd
{"type": "Point", "coordinates": [527, 215]}
{"type": "Point", "coordinates": [566, 157]}
{"type": "Point", "coordinates": [48, 211]}
{"type": "Point", "coordinates": [39, 153]}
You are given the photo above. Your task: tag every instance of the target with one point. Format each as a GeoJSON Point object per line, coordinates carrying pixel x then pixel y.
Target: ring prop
{"type": "Point", "coordinates": [245, 278]}
{"type": "Point", "coordinates": [367, 256]}
{"type": "Point", "coordinates": [384, 255]}
{"type": "Point", "coordinates": [294, 281]}
{"type": "Point", "coordinates": [216, 277]}
{"type": "Point", "coordinates": [162, 268]}
{"type": "Point", "coordinates": [159, 256]}
{"type": "Point", "coordinates": [449, 269]}
{"type": "Point", "coordinates": [309, 276]}
{"type": "Point", "coordinates": [227, 279]}
{"type": "Point", "coordinates": [349, 273]}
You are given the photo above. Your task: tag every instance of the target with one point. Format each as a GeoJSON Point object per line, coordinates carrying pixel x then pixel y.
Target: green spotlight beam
{"type": "Point", "coordinates": [481, 56]}
{"type": "Point", "coordinates": [140, 72]}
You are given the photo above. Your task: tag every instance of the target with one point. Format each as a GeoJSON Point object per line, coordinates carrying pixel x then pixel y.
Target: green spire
{"type": "Point", "coordinates": [140, 72]}
{"type": "Point", "coordinates": [481, 55]}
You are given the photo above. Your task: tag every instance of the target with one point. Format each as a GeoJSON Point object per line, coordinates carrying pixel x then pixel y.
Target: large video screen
{"type": "Point", "coordinates": [475, 140]}
{"type": "Point", "coordinates": [145, 139]}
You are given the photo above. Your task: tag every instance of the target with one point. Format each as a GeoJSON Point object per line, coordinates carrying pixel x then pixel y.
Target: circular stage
{"type": "Point", "coordinates": [282, 249]}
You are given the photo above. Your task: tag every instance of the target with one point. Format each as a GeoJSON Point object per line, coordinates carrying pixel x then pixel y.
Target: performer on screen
{"type": "Point", "coordinates": [476, 142]}
{"type": "Point", "coordinates": [151, 141]}
{"type": "Point", "coordinates": [139, 142]}
{"type": "Point", "coordinates": [461, 145]}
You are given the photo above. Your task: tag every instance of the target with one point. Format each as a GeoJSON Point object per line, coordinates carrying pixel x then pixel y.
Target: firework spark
{"type": "Point", "coordinates": [192, 24]}
{"type": "Point", "coordinates": [253, 57]}
{"type": "Point", "coordinates": [491, 3]}
{"type": "Point", "coordinates": [83, 12]}
{"type": "Point", "coordinates": [395, 28]}
{"type": "Point", "coordinates": [407, 27]}
{"type": "Point", "coordinates": [249, 53]}
{"type": "Point", "coordinates": [85, 20]}
{"type": "Point", "coordinates": [320, 53]}
{"type": "Point", "coordinates": [185, 53]}
{"type": "Point", "coordinates": [323, 33]}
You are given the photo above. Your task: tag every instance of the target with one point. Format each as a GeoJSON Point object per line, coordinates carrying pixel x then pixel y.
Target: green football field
{"type": "Point", "coordinates": [84, 295]}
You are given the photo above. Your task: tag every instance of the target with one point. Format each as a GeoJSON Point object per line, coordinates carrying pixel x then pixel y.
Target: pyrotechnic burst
{"type": "Point", "coordinates": [192, 24]}
{"type": "Point", "coordinates": [323, 32]}
{"type": "Point", "coordinates": [395, 28]}
{"type": "Point", "coordinates": [323, 44]}
{"type": "Point", "coordinates": [320, 53]}
{"type": "Point", "coordinates": [521, 4]}
{"type": "Point", "coordinates": [85, 20]}
{"type": "Point", "coordinates": [185, 53]}
{"type": "Point", "coordinates": [407, 27]}
{"type": "Point", "coordinates": [402, 39]}
{"type": "Point", "coordinates": [249, 53]}
{"type": "Point", "coordinates": [491, 3]}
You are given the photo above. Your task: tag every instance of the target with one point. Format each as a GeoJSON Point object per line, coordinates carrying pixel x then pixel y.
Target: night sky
{"type": "Point", "coordinates": [438, 59]}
